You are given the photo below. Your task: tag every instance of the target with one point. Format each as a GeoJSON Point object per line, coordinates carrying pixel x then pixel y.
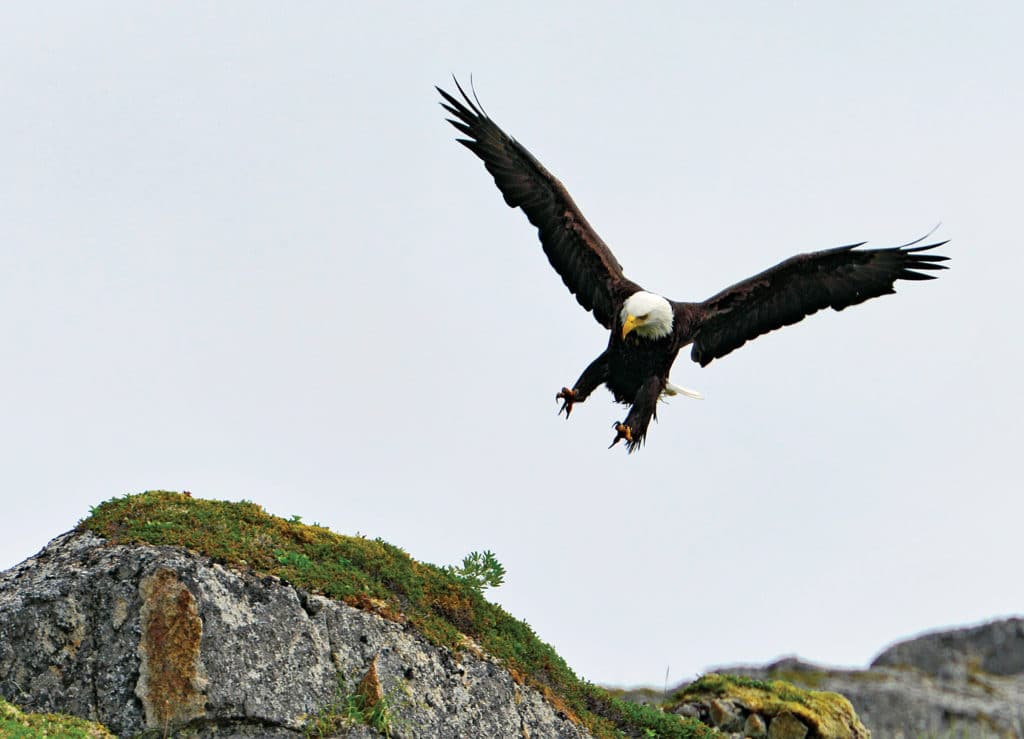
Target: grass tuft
{"type": "Point", "coordinates": [349, 708]}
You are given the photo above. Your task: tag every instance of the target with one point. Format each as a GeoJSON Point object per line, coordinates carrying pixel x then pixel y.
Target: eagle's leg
{"type": "Point", "coordinates": [644, 408]}
{"type": "Point", "coordinates": [595, 373]}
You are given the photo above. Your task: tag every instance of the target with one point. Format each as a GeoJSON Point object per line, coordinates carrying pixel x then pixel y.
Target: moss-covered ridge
{"type": "Point", "coordinates": [17, 725]}
{"type": "Point", "coordinates": [826, 714]}
{"type": "Point", "coordinates": [373, 575]}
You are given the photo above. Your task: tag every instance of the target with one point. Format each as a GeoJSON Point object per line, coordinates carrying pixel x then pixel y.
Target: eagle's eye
{"type": "Point", "coordinates": [645, 316]}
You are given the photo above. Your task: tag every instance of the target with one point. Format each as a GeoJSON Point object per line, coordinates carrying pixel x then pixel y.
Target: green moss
{"type": "Point", "coordinates": [377, 576]}
{"type": "Point", "coordinates": [828, 714]}
{"type": "Point", "coordinates": [18, 725]}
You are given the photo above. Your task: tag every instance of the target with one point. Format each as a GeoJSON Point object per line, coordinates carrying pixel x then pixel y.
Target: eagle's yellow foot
{"type": "Point", "coordinates": [622, 431]}
{"type": "Point", "coordinates": [568, 397]}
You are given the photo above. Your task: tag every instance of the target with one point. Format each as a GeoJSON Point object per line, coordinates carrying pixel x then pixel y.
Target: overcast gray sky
{"type": "Point", "coordinates": [240, 254]}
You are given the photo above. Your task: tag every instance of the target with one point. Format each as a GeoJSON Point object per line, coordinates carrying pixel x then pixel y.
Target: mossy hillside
{"type": "Point", "coordinates": [15, 724]}
{"type": "Point", "coordinates": [374, 575]}
{"type": "Point", "coordinates": [827, 714]}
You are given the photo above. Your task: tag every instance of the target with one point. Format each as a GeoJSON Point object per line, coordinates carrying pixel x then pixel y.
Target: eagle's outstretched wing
{"type": "Point", "coordinates": [584, 262]}
{"type": "Point", "coordinates": [800, 286]}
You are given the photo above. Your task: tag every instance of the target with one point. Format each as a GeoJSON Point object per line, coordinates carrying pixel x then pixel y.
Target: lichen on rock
{"type": "Point", "coordinates": [172, 680]}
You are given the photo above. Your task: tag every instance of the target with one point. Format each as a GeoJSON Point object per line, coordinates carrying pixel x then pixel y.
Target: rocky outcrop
{"type": "Point", "coordinates": [995, 648]}
{"type": "Point", "coordinates": [745, 707]}
{"type": "Point", "coordinates": [965, 682]}
{"type": "Point", "coordinates": [158, 638]}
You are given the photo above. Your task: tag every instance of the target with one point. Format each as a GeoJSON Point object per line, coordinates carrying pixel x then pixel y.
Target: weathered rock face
{"type": "Point", "coordinates": [995, 648]}
{"type": "Point", "coordinates": [965, 682]}
{"type": "Point", "coordinates": [141, 637]}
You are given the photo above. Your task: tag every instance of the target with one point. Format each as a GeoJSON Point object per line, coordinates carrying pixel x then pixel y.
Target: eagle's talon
{"type": "Point", "coordinates": [622, 431]}
{"type": "Point", "coordinates": [568, 397]}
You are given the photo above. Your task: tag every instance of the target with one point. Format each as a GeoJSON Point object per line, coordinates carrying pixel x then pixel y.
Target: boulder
{"type": "Point", "coordinates": [742, 706]}
{"type": "Point", "coordinates": [140, 637]}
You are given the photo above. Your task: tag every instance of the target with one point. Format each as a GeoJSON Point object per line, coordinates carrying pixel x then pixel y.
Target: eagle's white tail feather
{"type": "Point", "coordinates": [671, 389]}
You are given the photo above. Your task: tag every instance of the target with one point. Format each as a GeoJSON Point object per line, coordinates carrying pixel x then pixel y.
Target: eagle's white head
{"type": "Point", "coordinates": [648, 314]}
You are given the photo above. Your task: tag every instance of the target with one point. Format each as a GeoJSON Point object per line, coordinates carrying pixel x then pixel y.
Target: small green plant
{"type": "Point", "coordinates": [480, 570]}
{"type": "Point", "coordinates": [377, 716]}
{"type": "Point", "coordinates": [347, 709]}
{"type": "Point", "coordinates": [293, 559]}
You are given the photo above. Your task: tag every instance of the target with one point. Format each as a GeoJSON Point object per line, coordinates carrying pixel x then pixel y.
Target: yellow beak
{"type": "Point", "coordinates": [631, 323]}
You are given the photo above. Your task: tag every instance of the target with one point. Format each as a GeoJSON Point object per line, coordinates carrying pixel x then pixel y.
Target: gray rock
{"type": "Point", "coordinates": [692, 710]}
{"type": "Point", "coordinates": [754, 726]}
{"type": "Point", "coordinates": [786, 726]}
{"type": "Point", "coordinates": [141, 637]}
{"type": "Point", "coordinates": [995, 648]}
{"type": "Point", "coordinates": [726, 715]}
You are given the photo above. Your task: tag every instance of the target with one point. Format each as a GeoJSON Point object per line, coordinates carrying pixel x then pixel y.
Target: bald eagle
{"type": "Point", "coordinates": [648, 330]}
